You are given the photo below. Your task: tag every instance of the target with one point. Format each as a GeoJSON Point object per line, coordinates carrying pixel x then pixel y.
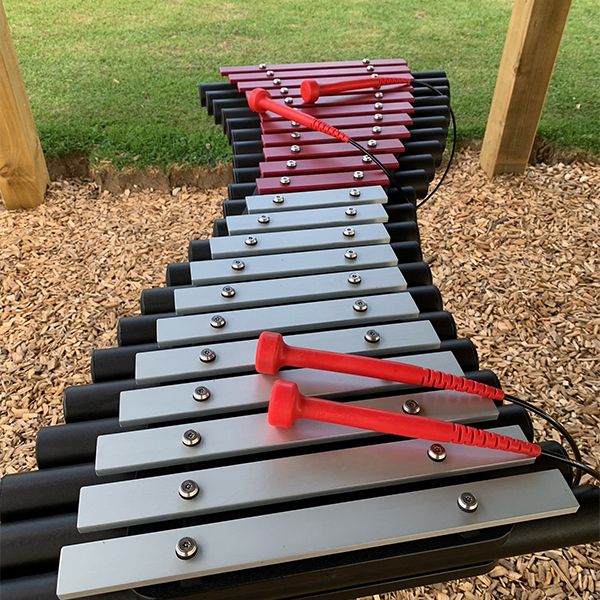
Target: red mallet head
{"type": "Point", "coordinates": [270, 351]}
{"type": "Point", "coordinates": [285, 404]}
{"type": "Point", "coordinates": [256, 100]}
{"type": "Point", "coordinates": [310, 91]}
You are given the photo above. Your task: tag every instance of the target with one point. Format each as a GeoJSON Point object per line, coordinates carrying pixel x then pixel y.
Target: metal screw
{"type": "Point", "coordinates": [285, 180]}
{"type": "Point", "coordinates": [290, 164]}
{"type": "Point", "coordinates": [207, 355]}
{"type": "Point", "coordinates": [378, 117]}
{"type": "Point", "coordinates": [411, 407]}
{"type": "Point", "coordinates": [188, 489]}
{"type": "Point", "coordinates": [264, 219]}
{"type": "Point", "coordinates": [295, 148]}
{"type": "Point", "coordinates": [295, 135]}
{"type": "Point", "coordinates": [186, 548]}
{"type": "Point", "coordinates": [284, 90]}
{"type": "Point", "coordinates": [467, 502]}
{"type": "Point", "coordinates": [366, 61]}
{"type": "Point", "coordinates": [217, 321]}
{"type": "Point", "coordinates": [350, 255]}
{"type": "Point", "coordinates": [354, 192]}
{"type": "Point", "coordinates": [376, 129]}
{"type": "Point", "coordinates": [349, 232]}
{"type": "Point", "coordinates": [201, 394]}
{"type": "Point", "coordinates": [351, 211]}
{"type": "Point", "coordinates": [372, 143]}
{"type": "Point", "coordinates": [262, 66]}
{"type": "Point", "coordinates": [289, 100]}
{"type": "Point", "coordinates": [367, 159]}
{"type": "Point", "coordinates": [372, 336]}
{"type": "Point", "coordinates": [250, 241]}
{"type": "Point", "coordinates": [278, 199]}
{"type": "Point", "coordinates": [227, 291]}
{"type": "Point", "coordinates": [277, 81]}
{"type": "Point", "coordinates": [378, 95]}
{"type": "Point", "coordinates": [270, 73]}
{"type": "Point", "coordinates": [295, 124]}
{"type": "Point", "coordinates": [237, 265]}
{"type": "Point", "coordinates": [191, 437]}
{"type": "Point", "coordinates": [378, 105]}
{"type": "Point", "coordinates": [374, 75]}
{"type": "Point", "coordinates": [436, 452]}
{"type": "Point", "coordinates": [358, 174]}
{"type": "Point", "coordinates": [370, 68]}
{"type": "Point", "coordinates": [360, 306]}
{"type": "Point", "coordinates": [354, 278]}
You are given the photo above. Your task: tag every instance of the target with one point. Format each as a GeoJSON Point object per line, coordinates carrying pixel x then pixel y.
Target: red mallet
{"type": "Point", "coordinates": [260, 101]}
{"type": "Point", "coordinates": [287, 404]}
{"type": "Point", "coordinates": [272, 353]}
{"type": "Point", "coordinates": [311, 90]}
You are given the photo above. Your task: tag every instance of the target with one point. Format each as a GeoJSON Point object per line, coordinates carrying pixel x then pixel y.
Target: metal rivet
{"type": "Point", "coordinates": [290, 164]}
{"type": "Point", "coordinates": [188, 489]}
{"type": "Point", "coordinates": [289, 100]}
{"type": "Point", "coordinates": [374, 75]}
{"type": "Point", "coordinates": [358, 174]}
{"type": "Point", "coordinates": [295, 135]}
{"type": "Point", "coordinates": [191, 437]}
{"type": "Point", "coordinates": [372, 336]}
{"type": "Point", "coordinates": [217, 321]}
{"type": "Point", "coordinates": [367, 159]}
{"type": "Point", "coordinates": [436, 452]}
{"type": "Point", "coordinates": [285, 181]}
{"type": "Point", "coordinates": [295, 148]}
{"type": "Point", "coordinates": [351, 211]}
{"type": "Point", "coordinates": [237, 265]}
{"type": "Point", "coordinates": [354, 278]}
{"type": "Point", "coordinates": [270, 73]}
{"type": "Point", "coordinates": [264, 219]}
{"type": "Point", "coordinates": [411, 407]}
{"type": "Point", "coordinates": [349, 232]}
{"type": "Point", "coordinates": [277, 81]}
{"type": "Point", "coordinates": [278, 199]}
{"type": "Point", "coordinates": [376, 129]}
{"type": "Point", "coordinates": [227, 291]}
{"type": "Point", "coordinates": [467, 502]}
{"type": "Point", "coordinates": [201, 393]}
{"type": "Point", "coordinates": [372, 143]}
{"type": "Point", "coordinates": [295, 124]}
{"type": "Point", "coordinates": [378, 95]}
{"type": "Point", "coordinates": [378, 105]}
{"type": "Point", "coordinates": [250, 241]}
{"type": "Point", "coordinates": [186, 548]}
{"type": "Point", "coordinates": [378, 117]}
{"type": "Point", "coordinates": [207, 355]}
{"type": "Point", "coordinates": [354, 192]}
{"type": "Point", "coordinates": [370, 68]}
{"type": "Point", "coordinates": [284, 90]}
{"type": "Point", "coordinates": [262, 66]}
{"type": "Point", "coordinates": [366, 61]}
{"type": "Point", "coordinates": [350, 255]}
{"type": "Point", "coordinates": [360, 306]}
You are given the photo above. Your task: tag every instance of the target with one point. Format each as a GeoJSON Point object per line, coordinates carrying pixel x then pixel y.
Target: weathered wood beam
{"type": "Point", "coordinates": [23, 172]}
{"type": "Point", "coordinates": [532, 42]}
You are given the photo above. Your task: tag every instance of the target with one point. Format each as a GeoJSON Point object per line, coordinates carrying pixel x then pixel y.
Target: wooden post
{"type": "Point", "coordinates": [23, 172]}
{"type": "Point", "coordinates": [532, 42]}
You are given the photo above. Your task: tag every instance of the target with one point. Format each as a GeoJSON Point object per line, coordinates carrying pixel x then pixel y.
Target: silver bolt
{"type": "Point", "coordinates": [238, 265]}
{"type": "Point", "coordinates": [354, 278]}
{"type": "Point", "coordinates": [285, 180]}
{"type": "Point", "coordinates": [358, 174]}
{"type": "Point", "coordinates": [262, 66]}
{"type": "Point", "coordinates": [372, 143]}
{"type": "Point", "coordinates": [376, 129]}
{"type": "Point", "coordinates": [350, 255]}
{"type": "Point", "coordinates": [411, 407]}
{"type": "Point", "coordinates": [370, 68]}
{"type": "Point", "coordinates": [278, 199]}
{"type": "Point", "coordinates": [378, 117]}
{"type": "Point", "coordinates": [207, 355]}
{"type": "Point", "coordinates": [250, 241]}
{"type": "Point", "coordinates": [351, 211]}
{"type": "Point", "coordinates": [295, 124]}
{"type": "Point", "coordinates": [290, 164]}
{"type": "Point", "coordinates": [354, 192]}
{"type": "Point", "coordinates": [295, 135]}
{"type": "Point", "coordinates": [374, 75]}
{"type": "Point", "coordinates": [284, 90]}
{"type": "Point", "coordinates": [186, 548]}
{"type": "Point", "coordinates": [436, 452]}
{"type": "Point", "coordinates": [188, 489]}
{"type": "Point", "coordinates": [378, 105]}
{"type": "Point", "coordinates": [270, 73]}
{"type": "Point", "coordinates": [217, 321]}
{"type": "Point", "coordinates": [372, 336]}
{"type": "Point", "coordinates": [366, 61]}
{"type": "Point", "coordinates": [378, 95]}
{"type": "Point", "coordinates": [295, 148]}
{"type": "Point", "coordinates": [360, 306]}
{"type": "Point", "coordinates": [264, 219]}
{"type": "Point", "coordinates": [467, 502]}
{"type": "Point", "coordinates": [191, 437]}
{"type": "Point", "coordinates": [277, 81]}
{"type": "Point", "coordinates": [289, 100]}
{"type": "Point", "coordinates": [349, 232]}
{"type": "Point", "coordinates": [201, 394]}
{"type": "Point", "coordinates": [227, 291]}
{"type": "Point", "coordinates": [367, 159]}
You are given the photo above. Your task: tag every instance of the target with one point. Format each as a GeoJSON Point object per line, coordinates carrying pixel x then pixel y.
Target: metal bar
{"type": "Point", "coordinates": [314, 137]}
{"type": "Point", "coordinates": [308, 67]}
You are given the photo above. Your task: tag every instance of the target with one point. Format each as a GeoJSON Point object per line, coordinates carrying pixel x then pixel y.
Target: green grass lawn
{"type": "Point", "coordinates": [118, 80]}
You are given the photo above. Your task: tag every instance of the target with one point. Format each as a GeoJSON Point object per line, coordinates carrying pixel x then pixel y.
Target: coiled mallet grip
{"type": "Point", "coordinates": [311, 90]}
{"type": "Point", "coordinates": [260, 101]}
{"type": "Point", "coordinates": [272, 353]}
{"type": "Point", "coordinates": [287, 404]}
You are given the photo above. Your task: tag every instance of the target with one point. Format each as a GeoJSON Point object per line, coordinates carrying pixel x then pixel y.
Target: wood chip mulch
{"type": "Point", "coordinates": [515, 258]}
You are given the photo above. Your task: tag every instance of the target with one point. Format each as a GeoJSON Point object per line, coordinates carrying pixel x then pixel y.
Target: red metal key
{"type": "Point", "coordinates": [287, 404]}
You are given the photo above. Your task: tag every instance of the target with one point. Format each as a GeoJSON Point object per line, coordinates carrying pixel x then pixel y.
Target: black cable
{"type": "Point", "coordinates": [579, 466]}
{"type": "Point", "coordinates": [559, 427]}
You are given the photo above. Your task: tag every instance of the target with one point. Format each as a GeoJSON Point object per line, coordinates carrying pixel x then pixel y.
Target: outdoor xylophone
{"type": "Point", "coordinates": [166, 480]}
